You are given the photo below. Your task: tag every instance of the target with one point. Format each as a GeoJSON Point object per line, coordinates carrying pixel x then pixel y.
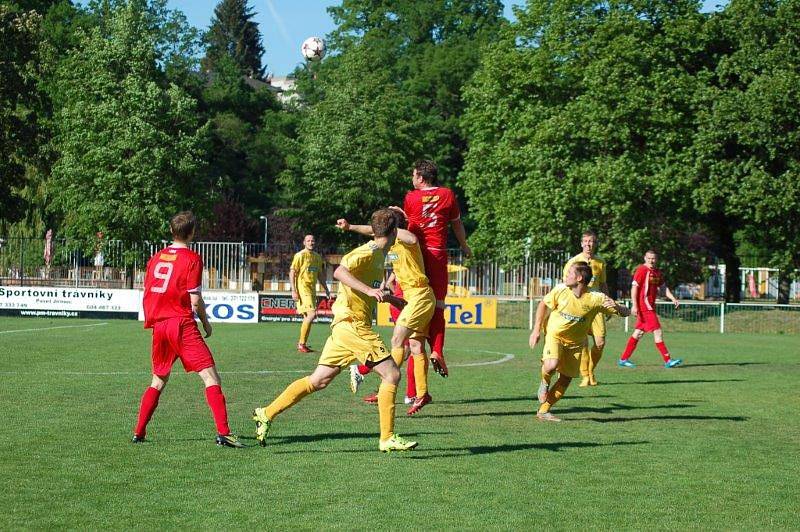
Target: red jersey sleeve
{"type": "Point", "coordinates": [455, 211]}
{"type": "Point", "coordinates": [640, 275]}
{"type": "Point", "coordinates": [194, 274]}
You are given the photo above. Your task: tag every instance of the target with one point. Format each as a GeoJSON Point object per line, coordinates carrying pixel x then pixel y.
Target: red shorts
{"type": "Point", "coordinates": [647, 320]}
{"type": "Point", "coordinates": [179, 338]}
{"type": "Point", "coordinates": [436, 270]}
{"type": "Point", "coordinates": [394, 311]}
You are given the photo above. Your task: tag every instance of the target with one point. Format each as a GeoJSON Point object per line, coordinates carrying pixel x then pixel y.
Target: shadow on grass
{"type": "Point", "coordinates": [455, 452]}
{"type": "Point", "coordinates": [308, 438]}
{"type": "Point", "coordinates": [667, 418]}
{"type": "Point", "coordinates": [687, 381]}
{"type": "Point", "coordinates": [614, 407]}
{"type": "Point", "coordinates": [717, 364]}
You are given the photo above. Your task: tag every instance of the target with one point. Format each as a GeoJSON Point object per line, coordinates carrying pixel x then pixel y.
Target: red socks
{"type": "Point", "coordinates": [216, 401]}
{"type": "Point", "coordinates": [411, 383]}
{"type": "Point", "coordinates": [663, 350]}
{"type": "Point", "coordinates": [629, 348]}
{"type": "Point", "coordinates": [363, 370]}
{"type": "Point", "coordinates": [146, 409]}
{"type": "Point", "coordinates": [436, 331]}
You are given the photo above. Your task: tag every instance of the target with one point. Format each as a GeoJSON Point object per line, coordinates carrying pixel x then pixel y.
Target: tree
{"type": "Point", "coordinates": [233, 34]}
{"type": "Point", "coordinates": [131, 150]}
{"type": "Point", "coordinates": [19, 98]}
{"type": "Point", "coordinates": [576, 119]}
{"type": "Point", "coordinates": [745, 161]}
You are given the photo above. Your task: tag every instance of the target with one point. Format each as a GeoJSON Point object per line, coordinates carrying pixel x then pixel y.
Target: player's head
{"type": "Point", "coordinates": [402, 223]}
{"type": "Point", "coordinates": [182, 226]}
{"type": "Point", "coordinates": [589, 242]}
{"type": "Point", "coordinates": [309, 242]}
{"type": "Point", "coordinates": [650, 258]}
{"type": "Point", "coordinates": [579, 273]}
{"type": "Point", "coordinates": [425, 174]}
{"type": "Point", "coordinates": [384, 224]}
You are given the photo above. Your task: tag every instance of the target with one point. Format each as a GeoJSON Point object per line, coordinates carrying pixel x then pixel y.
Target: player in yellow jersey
{"type": "Point", "coordinates": [572, 309]}
{"type": "Point", "coordinates": [415, 317]}
{"type": "Point", "coordinates": [307, 268]}
{"type": "Point", "coordinates": [360, 275]}
{"type": "Point", "coordinates": [590, 357]}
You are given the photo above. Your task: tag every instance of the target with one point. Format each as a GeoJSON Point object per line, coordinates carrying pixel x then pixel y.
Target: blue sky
{"type": "Point", "coordinates": [285, 24]}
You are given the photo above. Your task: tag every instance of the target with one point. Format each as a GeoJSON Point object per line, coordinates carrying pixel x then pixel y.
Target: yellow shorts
{"type": "Point", "coordinates": [307, 302]}
{"type": "Point", "coordinates": [350, 341]}
{"type": "Point", "coordinates": [568, 355]}
{"type": "Point", "coordinates": [417, 314]}
{"type": "Point", "coordinates": [598, 326]}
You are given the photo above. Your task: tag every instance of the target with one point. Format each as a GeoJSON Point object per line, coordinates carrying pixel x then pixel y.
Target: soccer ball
{"type": "Point", "coordinates": [313, 48]}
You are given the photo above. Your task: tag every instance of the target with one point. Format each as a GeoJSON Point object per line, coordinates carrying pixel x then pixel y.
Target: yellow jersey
{"type": "Point", "coordinates": [306, 265]}
{"type": "Point", "coordinates": [571, 316]}
{"type": "Point", "coordinates": [598, 266]}
{"type": "Point", "coordinates": [408, 266]}
{"type": "Point", "coordinates": [366, 264]}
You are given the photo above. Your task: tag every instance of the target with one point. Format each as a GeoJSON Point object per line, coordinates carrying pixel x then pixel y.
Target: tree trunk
{"type": "Point", "coordinates": [784, 286]}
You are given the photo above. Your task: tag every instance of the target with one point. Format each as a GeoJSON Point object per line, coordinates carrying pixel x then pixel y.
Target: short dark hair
{"type": "Point", "coordinates": [584, 271]}
{"type": "Point", "coordinates": [654, 252]}
{"type": "Point", "coordinates": [428, 171]}
{"type": "Point", "coordinates": [383, 222]}
{"type": "Point", "coordinates": [402, 223]}
{"type": "Point", "coordinates": [589, 232]}
{"type": "Point", "coordinates": [182, 225]}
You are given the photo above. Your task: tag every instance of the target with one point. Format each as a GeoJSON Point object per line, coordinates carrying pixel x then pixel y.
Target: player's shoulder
{"type": "Point", "coordinates": [576, 258]}
{"type": "Point", "coordinates": [559, 289]}
{"type": "Point", "coordinates": [600, 260]}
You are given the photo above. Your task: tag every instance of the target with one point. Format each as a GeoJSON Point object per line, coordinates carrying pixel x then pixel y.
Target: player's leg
{"type": "Point", "coordinates": [599, 342]}
{"type": "Point", "coordinates": [148, 405]}
{"type": "Point", "coordinates": [633, 341]}
{"type": "Point", "coordinates": [387, 393]}
{"type": "Point", "coordinates": [305, 330]}
{"type": "Point", "coordinates": [669, 362]}
{"type": "Point", "coordinates": [436, 270]}
{"type": "Point", "coordinates": [569, 361]}
{"type": "Point", "coordinates": [420, 363]}
{"type": "Point", "coordinates": [586, 357]}
{"type": "Point", "coordinates": [219, 410]}
{"type": "Point", "coordinates": [549, 366]}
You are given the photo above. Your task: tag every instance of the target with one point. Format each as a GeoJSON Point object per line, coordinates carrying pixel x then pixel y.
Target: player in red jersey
{"type": "Point", "coordinates": [171, 298]}
{"type": "Point", "coordinates": [430, 209]}
{"type": "Point", "coordinates": [647, 279]}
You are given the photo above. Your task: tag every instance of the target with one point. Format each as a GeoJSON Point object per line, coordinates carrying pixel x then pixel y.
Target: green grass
{"type": "Point", "coordinates": [712, 445]}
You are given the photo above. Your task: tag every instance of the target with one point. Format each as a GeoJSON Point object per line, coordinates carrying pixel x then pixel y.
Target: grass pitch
{"type": "Point", "coordinates": [711, 445]}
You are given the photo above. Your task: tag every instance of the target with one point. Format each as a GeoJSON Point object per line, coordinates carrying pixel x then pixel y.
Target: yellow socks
{"type": "Point", "coordinates": [555, 393]}
{"type": "Point", "coordinates": [586, 359]}
{"type": "Point", "coordinates": [597, 353]}
{"type": "Point", "coordinates": [397, 354]}
{"type": "Point", "coordinates": [386, 397]}
{"type": "Point", "coordinates": [305, 329]}
{"type": "Point", "coordinates": [421, 374]}
{"type": "Point", "coordinates": [290, 397]}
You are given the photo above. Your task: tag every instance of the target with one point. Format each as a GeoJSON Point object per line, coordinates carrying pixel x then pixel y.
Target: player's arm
{"type": "Point", "coordinates": [671, 297]}
{"type": "Point", "coordinates": [199, 308]}
{"type": "Point", "coordinates": [293, 283]}
{"type": "Point", "coordinates": [388, 287]}
{"type": "Point", "coordinates": [343, 275]}
{"type": "Point", "coordinates": [614, 307]}
{"type": "Point", "coordinates": [604, 288]}
{"type": "Point", "coordinates": [404, 236]}
{"type": "Point", "coordinates": [461, 236]}
{"type": "Point", "coordinates": [321, 278]}
{"type": "Point", "coordinates": [634, 298]}
{"type": "Point", "coordinates": [542, 313]}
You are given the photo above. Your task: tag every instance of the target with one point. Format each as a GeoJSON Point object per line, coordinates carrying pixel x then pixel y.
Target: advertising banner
{"type": "Point", "coordinates": [51, 302]}
{"type": "Point", "coordinates": [281, 307]}
{"type": "Point", "coordinates": [231, 307]}
{"type": "Point", "coordinates": [459, 313]}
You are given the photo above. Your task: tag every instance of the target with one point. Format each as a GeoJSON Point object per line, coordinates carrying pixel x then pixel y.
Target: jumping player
{"type": "Point", "coordinates": [647, 279]}
{"type": "Point", "coordinates": [590, 358]}
{"type": "Point", "coordinates": [430, 209]}
{"type": "Point", "coordinates": [171, 298]}
{"type": "Point", "coordinates": [572, 310]}
{"type": "Point", "coordinates": [411, 325]}
{"type": "Point", "coordinates": [307, 268]}
{"type": "Point", "coordinates": [360, 275]}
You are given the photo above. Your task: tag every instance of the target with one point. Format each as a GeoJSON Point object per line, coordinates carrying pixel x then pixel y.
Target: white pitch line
{"type": "Point", "coordinates": [506, 358]}
{"type": "Point", "coordinates": [52, 328]}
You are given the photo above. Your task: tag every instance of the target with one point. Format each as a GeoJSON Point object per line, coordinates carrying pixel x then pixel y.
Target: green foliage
{"type": "Point", "coordinates": [131, 150]}
{"type": "Point", "coordinates": [19, 98]}
{"type": "Point", "coordinates": [576, 120]}
{"type": "Point", "coordinates": [233, 34]}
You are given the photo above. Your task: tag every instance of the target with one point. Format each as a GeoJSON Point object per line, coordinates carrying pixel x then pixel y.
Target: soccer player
{"type": "Point", "coordinates": [572, 309]}
{"type": "Point", "coordinates": [360, 275]}
{"type": "Point", "coordinates": [590, 358]}
{"type": "Point", "coordinates": [307, 268]}
{"type": "Point", "coordinates": [647, 279]}
{"type": "Point", "coordinates": [171, 298]}
{"type": "Point", "coordinates": [411, 325]}
{"type": "Point", "coordinates": [430, 209]}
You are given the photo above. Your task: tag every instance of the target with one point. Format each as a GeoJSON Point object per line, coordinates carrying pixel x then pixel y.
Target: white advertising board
{"type": "Point", "coordinates": [61, 302]}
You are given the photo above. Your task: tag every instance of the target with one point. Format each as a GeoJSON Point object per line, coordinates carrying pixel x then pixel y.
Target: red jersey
{"type": "Point", "coordinates": [429, 212]}
{"type": "Point", "coordinates": [172, 274]}
{"type": "Point", "coordinates": [648, 282]}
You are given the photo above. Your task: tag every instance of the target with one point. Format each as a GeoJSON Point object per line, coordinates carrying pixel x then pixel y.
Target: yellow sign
{"type": "Point", "coordinates": [459, 313]}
